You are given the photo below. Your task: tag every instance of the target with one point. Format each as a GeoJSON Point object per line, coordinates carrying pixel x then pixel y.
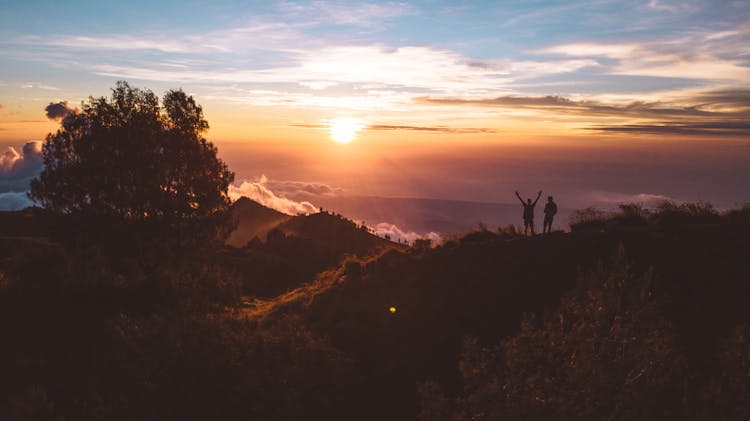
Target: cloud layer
{"type": "Point", "coordinates": [433, 129]}
{"type": "Point", "coordinates": [397, 234]}
{"type": "Point", "coordinates": [11, 201]}
{"type": "Point", "coordinates": [616, 198]}
{"type": "Point", "coordinates": [714, 112]}
{"type": "Point", "coordinates": [408, 58]}
{"type": "Point", "coordinates": [16, 171]}
{"type": "Point", "coordinates": [259, 192]}
{"type": "Point", "coordinates": [279, 199]}
{"type": "Point", "coordinates": [707, 55]}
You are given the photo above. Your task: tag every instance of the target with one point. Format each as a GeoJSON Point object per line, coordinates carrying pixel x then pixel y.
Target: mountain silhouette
{"type": "Point", "coordinates": [273, 252]}
{"type": "Point", "coordinates": [483, 284]}
{"type": "Point", "coordinates": [253, 220]}
{"type": "Point", "coordinates": [335, 233]}
{"type": "Point", "coordinates": [424, 215]}
{"type": "Point", "coordinates": [642, 312]}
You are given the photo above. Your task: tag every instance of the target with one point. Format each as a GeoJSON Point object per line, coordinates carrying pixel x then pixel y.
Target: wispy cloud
{"type": "Point", "coordinates": [434, 129]}
{"type": "Point", "coordinates": [708, 128]}
{"type": "Point", "coordinates": [438, 129]}
{"type": "Point", "coordinates": [734, 104]}
{"type": "Point", "coordinates": [361, 14]}
{"type": "Point", "coordinates": [260, 34]}
{"type": "Point", "coordinates": [322, 55]}
{"type": "Point", "coordinates": [33, 85]}
{"type": "Point", "coordinates": [680, 6]}
{"type": "Point", "coordinates": [110, 43]}
{"type": "Point", "coordinates": [364, 77]}
{"type": "Point", "coordinates": [708, 55]}
{"type": "Point", "coordinates": [288, 27]}
{"type": "Point", "coordinates": [714, 112]}
{"type": "Point", "coordinates": [414, 67]}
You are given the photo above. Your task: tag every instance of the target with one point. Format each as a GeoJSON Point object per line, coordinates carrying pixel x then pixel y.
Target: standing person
{"type": "Point", "coordinates": [528, 212]}
{"type": "Point", "coordinates": [550, 209]}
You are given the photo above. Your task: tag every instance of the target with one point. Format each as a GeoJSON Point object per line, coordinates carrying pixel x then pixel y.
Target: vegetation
{"type": "Point", "coordinates": [293, 249]}
{"type": "Point", "coordinates": [135, 159]}
{"type": "Point", "coordinates": [665, 214]}
{"type": "Point", "coordinates": [481, 329]}
{"type": "Point", "coordinates": [135, 174]}
{"type": "Point", "coordinates": [635, 314]}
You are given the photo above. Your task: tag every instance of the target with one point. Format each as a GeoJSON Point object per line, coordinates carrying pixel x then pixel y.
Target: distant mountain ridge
{"type": "Point", "coordinates": [444, 216]}
{"type": "Point", "coordinates": [253, 220]}
{"type": "Point", "coordinates": [326, 228]}
{"type": "Point", "coordinates": [273, 252]}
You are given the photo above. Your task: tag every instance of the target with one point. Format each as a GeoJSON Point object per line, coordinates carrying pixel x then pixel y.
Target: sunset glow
{"type": "Point", "coordinates": [374, 209]}
{"type": "Point", "coordinates": [596, 101]}
{"type": "Point", "coordinates": [344, 130]}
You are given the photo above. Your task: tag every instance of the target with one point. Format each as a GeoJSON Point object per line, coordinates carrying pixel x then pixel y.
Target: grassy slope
{"type": "Point", "coordinates": [476, 286]}
{"type": "Point", "coordinates": [481, 285]}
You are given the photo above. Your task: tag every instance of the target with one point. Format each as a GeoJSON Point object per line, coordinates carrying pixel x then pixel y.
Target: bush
{"type": "Point", "coordinates": [607, 353]}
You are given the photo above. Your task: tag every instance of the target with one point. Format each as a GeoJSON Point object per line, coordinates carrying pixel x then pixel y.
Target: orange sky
{"type": "Point", "coordinates": [646, 101]}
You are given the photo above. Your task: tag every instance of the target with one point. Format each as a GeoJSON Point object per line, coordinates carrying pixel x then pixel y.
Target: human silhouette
{"type": "Point", "coordinates": [550, 209]}
{"type": "Point", "coordinates": [528, 213]}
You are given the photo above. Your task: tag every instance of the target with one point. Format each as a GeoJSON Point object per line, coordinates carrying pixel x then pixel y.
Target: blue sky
{"type": "Point", "coordinates": [67, 45]}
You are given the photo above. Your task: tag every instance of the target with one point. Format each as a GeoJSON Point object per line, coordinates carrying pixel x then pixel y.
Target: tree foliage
{"type": "Point", "coordinates": [134, 159]}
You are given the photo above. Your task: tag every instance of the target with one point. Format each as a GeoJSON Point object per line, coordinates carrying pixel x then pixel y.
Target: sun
{"type": "Point", "coordinates": [344, 129]}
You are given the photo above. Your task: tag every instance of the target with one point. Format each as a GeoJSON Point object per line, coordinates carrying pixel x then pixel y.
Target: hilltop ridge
{"type": "Point", "coordinates": [273, 252]}
{"type": "Point", "coordinates": [482, 285]}
{"type": "Point", "coordinates": [253, 220]}
{"type": "Point", "coordinates": [645, 311]}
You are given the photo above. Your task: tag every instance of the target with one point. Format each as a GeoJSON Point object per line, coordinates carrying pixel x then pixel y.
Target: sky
{"type": "Point", "coordinates": [597, 102]}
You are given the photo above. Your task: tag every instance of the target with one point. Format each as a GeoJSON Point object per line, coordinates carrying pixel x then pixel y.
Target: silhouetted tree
{"type": "Point", "coordinates": [130, 158]}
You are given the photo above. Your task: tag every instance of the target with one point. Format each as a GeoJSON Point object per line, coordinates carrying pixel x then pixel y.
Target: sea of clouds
{"type": "Point", "coordinates": [17, 169]}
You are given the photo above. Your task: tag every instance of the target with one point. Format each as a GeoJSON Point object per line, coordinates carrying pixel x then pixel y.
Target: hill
{"type": "Point", "coordinates": [338, 234]}
{"type": "Point", "coordinates": [29, 222]}
{"type": "Point", "coordinates": [253, 220]}
{"type": "Point", "coordinates": [424, 215]}
{"type": "Point", "coordinates": [481, 285]}
{"type": "Point", "coordinates": [636, 314]}
{"type": "Point", "coordinates": [286, 251]}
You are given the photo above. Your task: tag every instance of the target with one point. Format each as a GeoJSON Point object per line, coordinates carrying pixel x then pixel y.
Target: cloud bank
{"type": "Point", "coordinates": [721, 112]}
{"type": "Point", "coordinates": [16, 171]}
{"type": "Point", "coordinates": [397, 234]}
{"type": "Point", "coordinates": [301, 188]}
{"type": "Point", "coordinates": [276, 195]}
{"type": "Point", "coordinates": [259, 192]}
{"type": "Point", "coordinates": [616, 198]}
{"type": "Point", "coordinates": [11, 201]}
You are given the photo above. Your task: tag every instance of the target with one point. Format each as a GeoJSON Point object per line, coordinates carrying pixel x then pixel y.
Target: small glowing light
{"type": "Point", "coordinates": [344, 129]}
{"type": "Point", "coordinates": [392, 309]}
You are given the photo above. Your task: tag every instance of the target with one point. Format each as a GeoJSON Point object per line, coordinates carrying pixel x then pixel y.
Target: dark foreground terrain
{"type": "Point", "coordinates": [633, 315]}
